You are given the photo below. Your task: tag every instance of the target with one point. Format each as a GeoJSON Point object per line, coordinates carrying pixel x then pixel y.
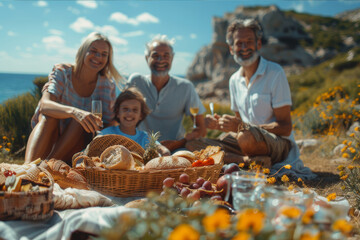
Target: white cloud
{"type": "Point", "coordinates": [1, 27]}
{"type": "Point", "coordinates": [35, 45]}
{"type": "Point", "coordinates": [107, 30]}
{"type": "Point", "coordinates": [41, 4]}
{"type": "Point", "coordinates": [55, 32]}
{"type": "Point", "coordinates": [147, 18]}
{"type": "Point", "coordinates": [11, 6]}
{"type": "Point", "coordinates": [193, 36]}
{"type": "Point", "coordinates": [117, 40]}
{"type": "Point", "coordinates": [178, 37]}
{"type": "Point", "coordinates": [81, 25]}
{"type": "Point", "coordinates": [46, 24]}
{"type": "Point", "coordinates": [133, 34]}
{"type": "Point", "coordinates": [142, 18]}
{"type": "Point", "coordinates": [298, 7]}
{"type": "Point", "coordinates": [74, 11]}
{"type": "Point", "coordinates": [11, 34]}
{"type": "Point", "coordinates": [29, 49]}
{"type": "Point", "coordinates": [18, 48]}
{"type": "Point", "coordinates": [1, 4]}
{"type": "Point", "coordinates": [88, 3]}
{"type": "Point", "coordinates": [53, 42]}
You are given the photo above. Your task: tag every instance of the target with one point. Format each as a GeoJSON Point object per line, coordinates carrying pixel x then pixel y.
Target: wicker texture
{"type": "Point", "coordinates": [127, 183]}
{"type": "Point", "coordinates": [37, 205]}
{"type": "Point", "coordinates": [100, 143]}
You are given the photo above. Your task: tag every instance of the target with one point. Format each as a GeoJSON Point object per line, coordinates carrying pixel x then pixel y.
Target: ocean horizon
{"type": "Point", "coordinates": [15, 84]}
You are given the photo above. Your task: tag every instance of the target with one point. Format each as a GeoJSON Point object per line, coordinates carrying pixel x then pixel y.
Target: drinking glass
{"type": "Point", "coordinates": [194, 109]}
{"type": "Point", "coordinates": [246, 189]}
{"type": "Point", "coordinates": [96, 108]}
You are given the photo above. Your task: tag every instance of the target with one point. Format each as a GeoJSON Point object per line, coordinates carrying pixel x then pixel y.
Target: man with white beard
{"type": "Point", "coordinates": [261, 100]}
{"type": "Point", "coordinates": [169, 97]}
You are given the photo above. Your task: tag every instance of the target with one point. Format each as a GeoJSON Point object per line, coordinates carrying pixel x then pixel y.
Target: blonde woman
{"type": "Point", "coordinates": [63, 123]}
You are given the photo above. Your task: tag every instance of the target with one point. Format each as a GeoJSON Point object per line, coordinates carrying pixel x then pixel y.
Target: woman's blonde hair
{"type": "Point", "coordinates": [109, 70]}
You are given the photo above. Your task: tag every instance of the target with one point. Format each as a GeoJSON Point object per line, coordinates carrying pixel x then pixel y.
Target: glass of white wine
{"type": "Point", "coordinates": [96, 108]}
{"type": "Point", "coordinates": [194, 109]}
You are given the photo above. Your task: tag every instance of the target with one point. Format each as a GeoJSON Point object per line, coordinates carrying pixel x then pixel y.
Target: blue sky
{"type": "Point", "coordinates": [37, 34]}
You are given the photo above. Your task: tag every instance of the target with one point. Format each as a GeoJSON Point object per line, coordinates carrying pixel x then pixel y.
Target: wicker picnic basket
{"type": "Point", "coordinates": [128, 183]}
{"type": "Point", "coordinates": [32, 205]}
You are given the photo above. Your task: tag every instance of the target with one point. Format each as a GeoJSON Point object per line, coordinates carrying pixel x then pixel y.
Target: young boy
{"type": "Point", "coordinates": [130, 109]}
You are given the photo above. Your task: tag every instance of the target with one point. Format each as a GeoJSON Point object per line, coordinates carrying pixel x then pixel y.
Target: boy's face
{"type": "Point", "coordinates": [129, 114]}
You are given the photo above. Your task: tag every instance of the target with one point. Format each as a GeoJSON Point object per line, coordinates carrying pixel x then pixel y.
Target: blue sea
{"type": "Point", "coordinates": [13, 84]}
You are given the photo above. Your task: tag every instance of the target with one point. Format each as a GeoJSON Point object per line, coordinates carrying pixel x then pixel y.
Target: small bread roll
{"type": "Point", "coordinates": [117, 157]}
{"type": "Point", "coordinates": [185, 154]}
{"type": "Point", "coordinates": [168, 162]}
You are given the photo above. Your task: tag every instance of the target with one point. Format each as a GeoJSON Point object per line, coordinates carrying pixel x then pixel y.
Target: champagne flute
{"type": "Point", "coordinates": [96, 108]}
{"type": "Point", "coordinates": [194, 109]}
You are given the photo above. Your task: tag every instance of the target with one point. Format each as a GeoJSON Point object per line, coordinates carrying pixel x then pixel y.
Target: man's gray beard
{"type": "Point", "coordinates": [160, 74]}
{"type": "Point", "coordinates": [246, 62]}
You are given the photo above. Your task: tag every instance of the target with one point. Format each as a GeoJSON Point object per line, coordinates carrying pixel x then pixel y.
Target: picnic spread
{"type": "Point", "coordinates": [109, 181]}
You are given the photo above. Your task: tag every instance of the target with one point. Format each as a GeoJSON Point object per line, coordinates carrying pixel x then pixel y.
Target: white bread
{"type": "Point", "coordinates": [117, 157]}
{"type": "Point", "coordinates": [168, 162]}
{"type": "Point", "coordinates": [185, 154]}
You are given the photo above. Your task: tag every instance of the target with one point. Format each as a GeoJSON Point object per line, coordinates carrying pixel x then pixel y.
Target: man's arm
{"type": "Point", "coordinates": [282, 126]}
{"type": "Point", "coordinates": [199, 131]}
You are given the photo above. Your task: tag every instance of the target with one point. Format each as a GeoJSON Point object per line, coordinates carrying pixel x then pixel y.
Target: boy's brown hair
{"type": "Point", "coordinates": [129, 94]}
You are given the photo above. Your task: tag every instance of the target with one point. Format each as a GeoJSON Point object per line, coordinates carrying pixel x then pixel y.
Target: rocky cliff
{"type": "Point", "coordinates": [213, 64]}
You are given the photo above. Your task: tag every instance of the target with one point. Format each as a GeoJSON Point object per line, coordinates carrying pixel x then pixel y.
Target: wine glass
{"type": "Point", "coordinates": [194, 109]}
{"type": "Point", "coordinates": [96, 108]}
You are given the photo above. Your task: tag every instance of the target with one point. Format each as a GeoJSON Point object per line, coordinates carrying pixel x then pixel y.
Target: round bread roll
{"type": "Point", "coordinates": [185, 154]}
{"type": "Point", "coordinates": [117, 157]}
{"type": "Point", "coordinates": [168, 162]}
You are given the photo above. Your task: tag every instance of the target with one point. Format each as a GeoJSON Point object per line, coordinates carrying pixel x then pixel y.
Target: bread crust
{"type": "Point", "coordinates": [117, 157]}
{"type": "Point", "coordinates": [167, 162]}
{"type": "Point", "coordinates": [185, 154]}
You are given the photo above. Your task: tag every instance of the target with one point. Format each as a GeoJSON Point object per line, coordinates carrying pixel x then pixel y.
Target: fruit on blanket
{"type": "Point", "coordinates": [230, 168]}
{"type": "Point", "coordinates": [150, 151]}
{"type": "Point", "coordinates": [221, 185]}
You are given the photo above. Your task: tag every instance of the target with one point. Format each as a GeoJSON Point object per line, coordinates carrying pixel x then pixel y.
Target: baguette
{"type": "Point", "coordinates": [185, 154]}
{"type": "Point", "coordinates": [117, 157]}
{"type": "Point", "coordinates": [167, 162]}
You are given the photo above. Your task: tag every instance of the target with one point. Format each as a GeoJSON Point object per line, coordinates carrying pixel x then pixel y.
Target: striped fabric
{"type": "Point", "coordinates": [60, 85]}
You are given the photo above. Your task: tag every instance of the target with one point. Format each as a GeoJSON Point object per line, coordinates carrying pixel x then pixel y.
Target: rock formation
{"type": "Point", "coordinates": [213, 64]}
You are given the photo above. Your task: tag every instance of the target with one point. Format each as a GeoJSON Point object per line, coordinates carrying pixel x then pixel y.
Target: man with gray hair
{"type": "Point", "coordinates": [169, 97]}
{"type": "Point", "coordinates": [261, 100]}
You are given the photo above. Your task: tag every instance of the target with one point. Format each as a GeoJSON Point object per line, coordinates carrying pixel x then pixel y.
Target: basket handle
{"type": "Point", "coordinates": [77, 158]}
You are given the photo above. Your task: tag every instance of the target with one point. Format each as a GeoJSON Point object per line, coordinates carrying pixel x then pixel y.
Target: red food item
{"type": "Point", "coordinates": [197, 163]}
{"type": "Point", "coordinates": [208, 161]}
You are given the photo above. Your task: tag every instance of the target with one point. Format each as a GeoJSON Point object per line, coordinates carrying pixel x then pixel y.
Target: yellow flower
{"type": "Point", "coordinates": [0, 146]}
{"type": "Point", "coordinates": [357, 129]}
{"type": "Point", "coordinates": [349, 143]}
{"type": "Point", "coordinates": [331, 196]}
{"type": "Point", "coordinates": [344, 142]}
{"type": "Point", "coordinates": [12, 139]}
{"type": "Point", "coordinates": [241, 236]}
{"type": "Point", "coordinates": [344, 149]}
{"type": "Point", "coordinates": [288, 166]}
{"type": "Point", "coordinates": [8, 144]}
{"type": "Point", "coordinates": [184, 232]}
{"type": "Point", "coordinates": [308, 236]}
{"type": "Point", "coordinates": [344, 177]}
{"type": "Point", "coordinates": [266, 171]}
{"type": "Point", "coordinates": [343, 226]}
{"type": "Point", "coordinates": [241, 165]}
{"type": "Point", "coordinates": [341, 173]}
{"type": "Point", "coordinates": [351, 167]}
{"type": "Point", "coordinates": [340, 167]}
{"type": "Point", "coordinates": [299, 180]}
{"type": "Point", "coordinates": [352, 150]}
{"type": "Point", "coordinates": [290, 212]}
{"type": "Point", "coordinates": [308, 216]}
{"type": "Point", "coordinates": [271, 180]}
{"type": "Point", "coordinates": [291, 187]}
{"type": "Point", "coordinates": [285, 178]}
{"type": "Point", "coordinates": [250, 219]}
{"type": "Point", "coordinates": [4, 137]}
{"type": "Point", "coordinates": [352, 134]}
{"type": "Point", "coordinates": [219, 220]}
{"type": "Point", "coordinates": [23, 136]}
{"type": "Point", "coordinates": [7, 149]}
{"type": "Point", "coordinates": [342, 187]}
{"type": "Point", "coordinates": [345, 155]}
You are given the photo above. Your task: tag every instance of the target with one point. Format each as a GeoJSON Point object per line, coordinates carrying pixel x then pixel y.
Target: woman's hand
{"type": "Point", "coordinates": [212, 121]}
{"type": "Point", "coordinates": [88, 121]}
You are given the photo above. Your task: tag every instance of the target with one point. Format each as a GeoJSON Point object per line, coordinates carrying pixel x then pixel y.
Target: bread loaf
{"type": "Point", "coordinates": [117, 157]}
{"type": "Point", "coordinates": [185, 154]}
{"type": "Point", "coordinates": [168, 162]}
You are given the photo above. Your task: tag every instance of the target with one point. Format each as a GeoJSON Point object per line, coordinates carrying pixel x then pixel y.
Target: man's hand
{"type": "Point", "coordinates": [229, 123]}
{"type": "Point", "coordinates": [212, 122]}
{"type": "Point", "coordinates": [196, 133]}
{"type": "Point", "coordinates": [163, 151]}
